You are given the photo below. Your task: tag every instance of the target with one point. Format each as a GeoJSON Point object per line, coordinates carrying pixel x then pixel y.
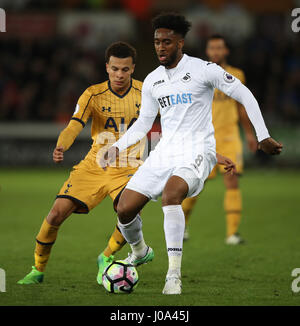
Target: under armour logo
{"type": "Point", "coordinates": [104, 109]}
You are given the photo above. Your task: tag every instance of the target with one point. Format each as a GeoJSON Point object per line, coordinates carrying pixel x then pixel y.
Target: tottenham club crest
{"type": "Point", "coordinates": [186, 78]}
{"type": "Point", "coordinates": [228, 78]}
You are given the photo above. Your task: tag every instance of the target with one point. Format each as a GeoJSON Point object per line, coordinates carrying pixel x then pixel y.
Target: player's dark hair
{"type": "Point", "coordinates": [120, 50]}
{"type": "Point", "coordinates": [172, 21]}
{"type": "Point", "coordinates": [218, 37]}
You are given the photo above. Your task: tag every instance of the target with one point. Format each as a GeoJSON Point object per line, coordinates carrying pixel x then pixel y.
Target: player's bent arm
{"type": "Point", "coordinates": [229, 165]}
{"type": "Point", "coordinates": [69, 134]}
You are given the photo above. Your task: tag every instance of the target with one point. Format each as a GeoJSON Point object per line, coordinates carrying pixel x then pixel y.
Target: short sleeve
{"type": "Point", "coordinates": [217, 77]}
{"type": "Point", "coordinates": [83, 107]}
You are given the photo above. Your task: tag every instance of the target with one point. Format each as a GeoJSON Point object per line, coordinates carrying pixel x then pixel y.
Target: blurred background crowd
{"type": "Point", "coordinates": [53, 50]}
{"type": "Point", "coordinates": [46, 66]}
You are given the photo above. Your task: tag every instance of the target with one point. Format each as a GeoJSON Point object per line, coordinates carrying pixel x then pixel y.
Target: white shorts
{"type": "Point", "coordinates": [151, 181]}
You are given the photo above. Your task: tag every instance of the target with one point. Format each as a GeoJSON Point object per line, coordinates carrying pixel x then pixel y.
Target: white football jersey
{"type": "Point", "coordinates": [183, 96]}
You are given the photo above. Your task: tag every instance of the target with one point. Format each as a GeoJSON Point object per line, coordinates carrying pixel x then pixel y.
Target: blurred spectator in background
{"type": "Point", "coordinates": [41, 77]}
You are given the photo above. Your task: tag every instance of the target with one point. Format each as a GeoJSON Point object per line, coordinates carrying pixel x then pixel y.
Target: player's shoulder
{"type": "Point", "coordinates": [154, 77]}
{"type": "Point", "coordinates": [137, 84]}
{"type": "Point", "coordinates": [236, 72]}
{"type": "Point", "coordinates": [97, 89]}
{"type": "Point", "coordinates": [154, 74]}
{"type": "Point", "coordinates": [197, 61]}
{"type": "Point", "coordinates": [199, 66]}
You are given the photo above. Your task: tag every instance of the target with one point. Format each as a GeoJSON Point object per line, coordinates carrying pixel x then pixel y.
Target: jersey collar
{"type": "Point", "coordinates": [120, 96]}
{"type": "Point", "coordinates": [180, 66]}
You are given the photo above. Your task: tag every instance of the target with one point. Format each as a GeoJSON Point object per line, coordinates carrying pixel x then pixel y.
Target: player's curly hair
{"type": "Point", "coordinates": [173, 21]}
{"type": "Point", "coordinates": [120, 50]}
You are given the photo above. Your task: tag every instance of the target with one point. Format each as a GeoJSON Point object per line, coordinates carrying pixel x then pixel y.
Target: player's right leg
{"type": "Point", "coordinates": [174, 193]}
{"type": "Point", "coordinates": [62, 209]}
{"type": "Point", "coordinates": [233, 208]}
{"type": "Point", "coordinates": [130, 204]}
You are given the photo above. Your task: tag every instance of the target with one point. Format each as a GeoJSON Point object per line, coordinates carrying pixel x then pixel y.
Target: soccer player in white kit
{"type": "Point", "coordinates": [181, 89]}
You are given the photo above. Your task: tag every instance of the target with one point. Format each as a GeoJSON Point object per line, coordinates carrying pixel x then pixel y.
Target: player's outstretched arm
{"type": "Point", "coordinates": [229, 165]}
{"type": "Point", "coordinates": [243, 95]}
{"type": "Point", "coordinates": [140, 128]}
{"type": "Point", "coordinates": [248, 130]}
{"type": "Point", "coordinates": [218, 78]}
{"type": "Point", "coordinates": [134, 134]}
{"type": "Point", "coordinates": [270, 146]}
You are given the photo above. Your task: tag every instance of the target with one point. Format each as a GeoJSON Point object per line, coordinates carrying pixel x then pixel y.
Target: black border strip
{"type": "Point", "coordinates": [120, 96]}
{"type": "Point", "coordinates": [137, 89]}
{"type": "Point", "coordinates": [81, 203]}
{"type": "Point", "coordinates": [45, 243]}
{"type": "Point", "coordinates": [116, 200]}
{"type": "Point", "coordinates": [79, 120]}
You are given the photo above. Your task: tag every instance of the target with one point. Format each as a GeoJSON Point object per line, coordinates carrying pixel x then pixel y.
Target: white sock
{"type": "Point", "coordinates": [132, 232]}
{"type": "Point", "coordinates": [174, 223]}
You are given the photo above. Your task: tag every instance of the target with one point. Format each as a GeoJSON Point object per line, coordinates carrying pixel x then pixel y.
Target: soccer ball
{"type": "Point", "coordinates": [120, 277]}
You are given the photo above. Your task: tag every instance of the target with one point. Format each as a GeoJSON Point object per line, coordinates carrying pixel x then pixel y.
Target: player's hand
{"type": "Point", "coordinates": [58, 154]}
{"type": "Point", "coordinates": [109, 157]}
{"type": "Point", "coordinates": [252, 143]}
{"type": "Point", "coordinates": [229, 165]}
{"type": "Point", "coordinates": [270, 146]}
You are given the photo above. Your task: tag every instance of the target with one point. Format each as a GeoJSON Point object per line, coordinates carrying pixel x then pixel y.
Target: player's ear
{"type": "Point", "coordinates": [107, 66]}
{"type": "Point", "coordinates": [181, 43]}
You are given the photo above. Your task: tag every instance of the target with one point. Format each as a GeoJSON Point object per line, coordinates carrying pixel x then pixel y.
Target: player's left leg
{"type": "Point", "coordinates": [130, 204]}
{"type": "Point", "coordinates": [174, 193]}
{"type": "Point", "coordinates": [188, 205]}
{"type": "Point", "coordinates": [232, 197]}
{"type": "Point", "coordinates": [233, 208]}
{"type": "Point", "coordinates": [118, 178]}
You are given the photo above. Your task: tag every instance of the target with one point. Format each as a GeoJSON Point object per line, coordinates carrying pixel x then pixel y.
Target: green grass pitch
{"type": "Point", "coordinates": [257, 273]}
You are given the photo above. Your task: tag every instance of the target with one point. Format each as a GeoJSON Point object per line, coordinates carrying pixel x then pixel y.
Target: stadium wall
{"type": "Point", "coordinates": [32, 144]}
